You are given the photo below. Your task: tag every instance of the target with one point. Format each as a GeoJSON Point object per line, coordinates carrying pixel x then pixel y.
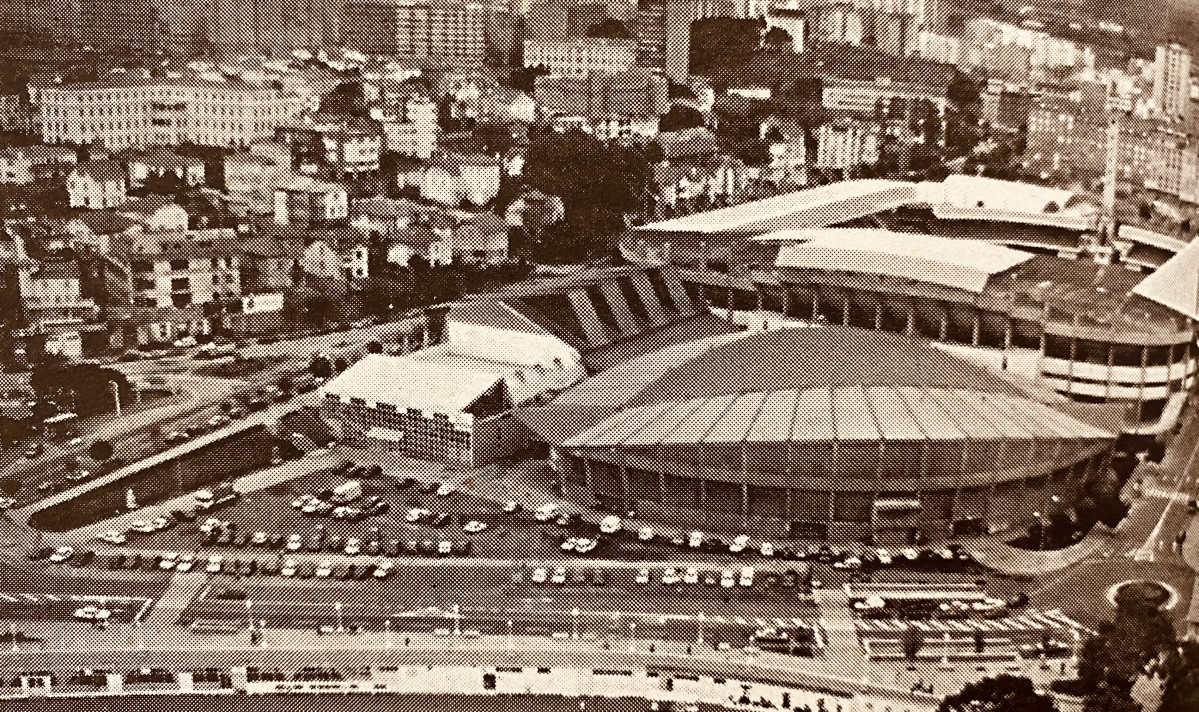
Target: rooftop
{"type": "Point", "coordinates": [1175, 284]}
{"type": "Point", "coordinates": [411, 383]}
{"type": "Point", "coordinates": [961, 264]}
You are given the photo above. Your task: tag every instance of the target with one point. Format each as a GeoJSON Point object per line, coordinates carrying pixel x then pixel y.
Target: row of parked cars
{"type": "Point", "coordinates": [226, 533]}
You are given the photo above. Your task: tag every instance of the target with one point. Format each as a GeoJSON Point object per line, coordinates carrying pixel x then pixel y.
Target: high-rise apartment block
{"type": "Point", "coordinates": [441, 31]}
{"type": "Point", "coordinates": [1172, 81]}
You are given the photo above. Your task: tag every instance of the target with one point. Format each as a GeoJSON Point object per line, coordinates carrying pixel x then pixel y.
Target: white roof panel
{"type": "Point", "coordinates": [814, 416]}
{"type": "Point", "coordinates": [773, 424]}
{"type": "Point", "coordinates": [854, 420]}
{"type": "Point", "coordinates": [662, 425]}
{"type": "Point", "coordinates": [737, 420]}
{"type": "Point", "coordinates": [930, 414]}
{"type": "Point", "coordinates": [895, 421]}
{"type": "Point", "coordinates": [965, 415]}
{"type": "Point", "coordinates": [1175, 285]}
{"type": "Point", "coordinates": [962, 264]}
{"type": "Point", "coordinates": [409, 383]}
{"type": "Point", "coordinates": [696, 426]}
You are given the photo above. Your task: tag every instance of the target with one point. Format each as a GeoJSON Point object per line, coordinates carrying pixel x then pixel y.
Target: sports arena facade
{"type": "Point", "coordinates": [823, 432]}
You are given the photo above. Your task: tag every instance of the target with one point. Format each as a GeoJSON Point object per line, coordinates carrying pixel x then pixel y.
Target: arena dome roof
{"type": "Point", "coordinates": [808, 383]}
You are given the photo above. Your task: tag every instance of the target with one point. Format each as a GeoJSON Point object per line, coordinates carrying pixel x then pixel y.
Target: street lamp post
{"type": "Point", "coordinates": [337, 607]}
{"type": "Point", "coordinates": [632, 635]}
{"type": "Point", "coordinates": [457, 620]}
{"type": "Point", "coordinates": [699, 638]}
{"type": "Point", "coordinates": [574, 620]}
{"type": "Point", "coordinates": [1040, 530]}
{"type": "Point", "coordinates": [262, 632]}
{"type": "Point", "coordinates": [387, 641]}
{"type": "Point", "coordinates": [511, 637]}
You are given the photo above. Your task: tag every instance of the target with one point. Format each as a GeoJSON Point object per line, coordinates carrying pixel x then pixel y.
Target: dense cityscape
{"type": "Point", "coordinates": [805, 355]}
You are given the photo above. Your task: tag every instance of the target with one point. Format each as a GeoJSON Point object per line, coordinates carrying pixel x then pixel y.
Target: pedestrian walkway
{"type": "Point", "coordinates": [1027, 622]}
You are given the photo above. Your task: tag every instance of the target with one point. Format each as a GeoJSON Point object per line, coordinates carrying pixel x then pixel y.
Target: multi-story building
{"type": "Point", "coordinates": [558, 20]}
{"type": "Point", "coordinates": [1172, 81]}
{"type": "Point", "coordinates": [866, 98]}
{"type": "Point", "coordinates": [651, 34]}
{"type": "Point", "coordinates": [453, 178]}
{"type": "Point", "coordinates": [306, 201]}
{"type": "Point", "coordinates": [581, 56]}
{"type": "Point", "coordinates": [413, 131]}
{"type": "Point", "coordinates": [332, 145]}
{"type": "Point", "coordinates": [179, 269]}
{"type": "Point", "coordinates": [439, 31]}
{"type": "Point", "coordinates": [139, 112]}
{"type": "Point", "coordinates": [935, 47]}
{"type": "Point", "coordinates": [96, 185]}
{"type": "Point", "coordinates": [636, 93]}
{"type": "Point", "coordinates": [18, 163]}
{"type": "Point", "coordinates": [897, 33]}
{"type": "Point", "coordinates": [793, 22]}
{"type": "Point", "coordinates": [847, 144]}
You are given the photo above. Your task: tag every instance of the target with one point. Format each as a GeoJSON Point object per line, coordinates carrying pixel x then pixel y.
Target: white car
{"type": "Point", "coordinates": [645, 534]}
{"type": "Point", "coordinates": [289, 568]}
{"type": "Point", "coordinates": [850, 562]}
{"type": "Point", "coordinates": [210, 524]}
{"type": "Point", "coordinates": [294, 542]}
{"type": "Point", "coordinates": [259, 538]}
{"type": "Point", "coordinates": [670, 577]}
{"type": "Point", "coordinates": [61, 554]}
{"type": "Point", "coordinates": [871, 603]}
{"type": "Point", "coordinates": [186, 342]}
{"type": "Point", "coordinates": [511, 506]}
{"type": "Point", "coordinates": [7, 502]}
{"type": "Point", "coordinates": [302, 500]}
{"type": "Point", "coordinates": [767, 549]}
{"type": "Point", "coordinates": [415, 515]}
{"type": "Point", "coordinates": [695, 540]}
{"type": "Point", "coordinates": [747, 576]}
{"type": "Point", "coordinates": [910, 554]}
{"type": "Point", "coordinates": [383, 569]}
{"type": "Point", "coordinates": [643, 576]}
{"type": "Point", "coordinates": [324, 569]}
{"type": "Point", "coordinates": [310, 507]}
{"type": "Point", "coordinates": [546, 512]}
{"type": "Point", "coordinates": [610, 524]}
{"type": "Point", "coordinates": [112, 536]}
{"type": "Point", "coordinates": [92, 613]}
{"type": "Point", "coordinates": [738, 544]}
{"type": "Point", "coordinates": [160, 523]}
{"type": "Point", "coordinates": [474, 527]}
{"type": "Point", "coordinates": [538, 576]}
{"type": "Point", "coordinates": [727, 579]}
{"type": "Point", "coordinates": [945, 554]}
{"type": "Point", "coordinates": [583, 546]}
{"type": "Point", "coordinates": [169, 561]}
{"type": "Point", "coordinates": [445, 489]}
{"type": "Point", "coordinates": [570, 544]}
{"type": "Point", "coordinates": [559, 577]}
{"type": "Point", "coordinates": [214, 564]}
{"type": "Point", "coordinates": [445, 548]}
{"type": "Point", "coordinates": [884, 557]}
{"type": "Point", "coordinates": [186, 563]}
{"type": "Point", "coordinates": [353, 547]}
{"type": "Point", "coordinates": [691, 576]}
{"type": "Point", "coordinates": [141, 526]}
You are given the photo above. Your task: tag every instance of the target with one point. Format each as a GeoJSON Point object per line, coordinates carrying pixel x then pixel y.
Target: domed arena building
{"type": "Point", "coordinates": [819, 432]}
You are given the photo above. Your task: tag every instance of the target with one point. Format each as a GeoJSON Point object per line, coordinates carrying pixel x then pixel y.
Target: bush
{"type": "Point", "coordinates": [10, 486]}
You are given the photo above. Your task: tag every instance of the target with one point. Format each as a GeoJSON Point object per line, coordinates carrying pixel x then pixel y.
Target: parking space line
{"type": "Point", "coordinates": [8, 598]}
{"type": "Point", "coordinates": [31, 598]}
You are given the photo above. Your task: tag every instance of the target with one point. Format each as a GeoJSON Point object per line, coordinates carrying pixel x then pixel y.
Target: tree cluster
{"type": "Point", "coordinates": [723, 43]}
{"type": "Point", "coordinates": [85, 384]}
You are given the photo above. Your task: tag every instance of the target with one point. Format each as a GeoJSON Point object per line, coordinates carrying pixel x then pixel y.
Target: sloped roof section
{"type": "Point", "coordinates": [1175, 285]}
{"type": "Point", "coordinates": [410, 383]}
{"type": "Point", "coordinates": [962, 264]}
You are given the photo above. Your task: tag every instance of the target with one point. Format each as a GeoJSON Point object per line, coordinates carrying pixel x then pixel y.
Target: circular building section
{"type": "Point", "coordinates": [823, 432]}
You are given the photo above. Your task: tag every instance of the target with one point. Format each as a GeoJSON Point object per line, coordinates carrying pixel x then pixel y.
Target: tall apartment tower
{"type": "Point", "coordinates": [676, 33]}
{"type": "Point", "coordinates": [1172, 80]}
{"type": "Point", "coordinates": [444, 31]}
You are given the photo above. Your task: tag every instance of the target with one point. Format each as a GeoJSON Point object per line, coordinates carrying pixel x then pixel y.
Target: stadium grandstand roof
{"type": "Point", "coordinates": [961, 264]}
{"type": "Point", "coordinates": [806, 383]}
{"type": "Point", "coordinates": [1153, 239]}
{"type": "Point", "coordinates": [1175, 284]}
{"type": "Point", "coordinates": [817, 207]}
{"type": "Point", "coordinates": [948, 211]}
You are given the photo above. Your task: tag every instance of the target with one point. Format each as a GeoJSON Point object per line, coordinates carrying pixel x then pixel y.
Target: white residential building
{"type": "Point", "coordinates": [581, 56]}
{"type": "Point", "coordinates": [138, 112]}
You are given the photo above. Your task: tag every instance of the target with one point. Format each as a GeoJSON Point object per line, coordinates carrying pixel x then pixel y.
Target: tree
{"type": "Point", "coordinates": [10, 486]}
{"type": "Point", "coordinates": [723, 43]}
{"type": "Point", "coordinates": [285, 383]}
{"type": "Point", "coordinates": [374, 347]}
{"type": "Point", "coordinates": [681, 117]}
{"type": "Point", "coordinates": [100, 450]}
{"type": "Point", "coordinates": [320, 367]}
{"type": "Point", "coordinates": [776, 39]}
{"type": "Point", "coordinates": [1110, 700]}
{"type": "Point", "coordinates": [1181, 670]}
{"type": "Point", "coordinates": [339, 364]}
{"type": "Point", "coordinates": [523, 79]}
{"type": "Point", "coordinates": [1004, 693]}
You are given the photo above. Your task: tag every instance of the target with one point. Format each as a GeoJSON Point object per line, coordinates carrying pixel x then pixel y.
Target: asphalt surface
{"type": "Point", "coordinates": [333, 703]}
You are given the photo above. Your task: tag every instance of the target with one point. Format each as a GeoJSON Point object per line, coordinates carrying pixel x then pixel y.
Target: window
{"type": "Point", "coordinates": [178, 264]}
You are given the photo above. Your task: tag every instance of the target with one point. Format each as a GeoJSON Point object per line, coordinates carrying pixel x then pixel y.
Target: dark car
{"type": "Point", "coordinates": [373, 472]}
{"type": "Point", "coordinates": [463, 548]}
{"type": "Point", "coordinates": [82, 559]}
{"type": "Point", "coordinates": [183, 515]}
{"type": "Point", "coordinates": [430, 487]}
{"type": "Point", "coordinates": [412, 548]}
{"type": "Point", "coordinates": [364, 572]}
{"type": "Point", "coordinates": [316, 542]}
{"type": "Point", "coordinates": [325, 495]}
{"type": "Point", "coordinates": [307, 570]}
{"type": "Point", "coordinates": [230, 594]}
{"type": "Point", "coordinates": [347, 572]}
{"type": "Point", "coordinates": [275, 541]}
{"type": "Point", "coordinates": [405, 483]}
{"type": "Point", "coordinates": [249, 568]}
{"type": "Point", "coordinates": [393, 548]}
{"type": "Point", "coordinates": [373, 547]}
{"type": "Point", "coordinates": [334, 543]}
{"type": "Point", "coordinates": [42, 553]}
{"type": "Point", "coordinates": [240, 540]}
{"type": "Point", "coordinates": [439, 520]}
{"type": "Point", "coordinates": [225, 538]}
{"type": "Point", "coordinates": [1018, 600]}
{"type": "Point", "coordinates": [598, 577]}
{"type": "Point", "coordinates": [134, 561]}
{"type": "Point", "coordinates": [149, 563]}
{"type": "Point", "coordinates": [380, 509]}
{"type": "Point", "coordinates": [344, 467]}
{"type": "Point", "coordinates": [116, 562]}
{"type": "Point", "coordinates": [270, 567]}
{"type": "Point", "coordinates": [427, 547]}
{"type": "Point", "coordinates": [229, 567]}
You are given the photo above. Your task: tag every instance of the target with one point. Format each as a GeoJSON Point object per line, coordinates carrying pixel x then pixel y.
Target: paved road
{"type": "Point", "coordinates": [331, 703]}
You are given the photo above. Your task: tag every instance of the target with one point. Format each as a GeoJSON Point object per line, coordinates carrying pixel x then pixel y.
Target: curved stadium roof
{"type": "Point", "coordinates": [825, 383]}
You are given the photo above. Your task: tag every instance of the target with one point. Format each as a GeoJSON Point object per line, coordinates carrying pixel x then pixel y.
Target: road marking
{"type": "Point", "coordinates": [8, 598]}
{"type": "Point", "coordinates": [1157, 529]}
{"type": "Point", "coordinates": [52, 597]}
{"type": "Point", "coordinates": [31, 598]}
